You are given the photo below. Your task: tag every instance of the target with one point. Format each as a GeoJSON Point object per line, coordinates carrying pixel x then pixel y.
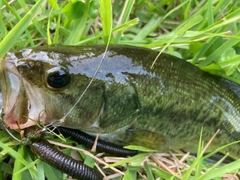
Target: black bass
{"type": "Point", "coordinates": [129, 102]}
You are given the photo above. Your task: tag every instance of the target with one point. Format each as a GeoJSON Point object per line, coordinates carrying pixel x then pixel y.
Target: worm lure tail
{"type": "Point", "coordinates": [64, 163]}
{"type": "Point", "coordinates": [102, 146]}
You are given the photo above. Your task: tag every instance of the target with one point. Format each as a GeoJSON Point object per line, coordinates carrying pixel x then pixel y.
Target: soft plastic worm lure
{"type": "Point", "coordinates": [54, 157]}
{"type": "Point", "coordinates": [64, 163]}
{"type": "Point", "coordinates": [102, 146]}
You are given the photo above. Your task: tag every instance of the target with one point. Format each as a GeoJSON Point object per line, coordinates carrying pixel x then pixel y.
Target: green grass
{"type": "Point", "coordinates": [205, 33]}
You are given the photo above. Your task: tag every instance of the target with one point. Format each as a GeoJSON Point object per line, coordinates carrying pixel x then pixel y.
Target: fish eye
{"type": "Point", "coordinates": [57, 78]}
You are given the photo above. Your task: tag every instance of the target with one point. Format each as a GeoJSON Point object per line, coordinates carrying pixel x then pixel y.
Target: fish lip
{"type": "Point", "coordinates": [17, 99]}
{"type": "Point", "coordinates": [12, 80]}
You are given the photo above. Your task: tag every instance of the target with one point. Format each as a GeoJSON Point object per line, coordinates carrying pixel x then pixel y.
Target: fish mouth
{"type": "Point", "coordinates": [21, 104]}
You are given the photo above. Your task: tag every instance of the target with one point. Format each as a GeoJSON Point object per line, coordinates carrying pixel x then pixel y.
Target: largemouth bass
{"type": "Point", "coordinates": [164, 107]}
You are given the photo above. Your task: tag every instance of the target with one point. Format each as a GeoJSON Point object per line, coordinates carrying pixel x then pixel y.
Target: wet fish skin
{"type": "Point", "coordinates": [129, 102]}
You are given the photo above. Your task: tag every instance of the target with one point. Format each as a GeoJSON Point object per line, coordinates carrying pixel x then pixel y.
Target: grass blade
{"type": "Point", "coordinates": [20, 27]}
{"type": "Point", "coordinates": [106, 18]}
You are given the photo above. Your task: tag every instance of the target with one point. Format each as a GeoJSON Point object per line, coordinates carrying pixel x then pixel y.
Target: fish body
{"type": "Point", "coordinates": [163, 107]}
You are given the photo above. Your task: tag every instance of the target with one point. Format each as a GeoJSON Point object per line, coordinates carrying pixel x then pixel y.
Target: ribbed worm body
{"type": "Point", "coordinates": [102, 146]}
{"type": "Point", "coordinates": [64, 163]}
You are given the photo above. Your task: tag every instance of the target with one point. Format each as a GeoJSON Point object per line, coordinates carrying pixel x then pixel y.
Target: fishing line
{"type": "Point", "coordinates": [4, 126]}
{"type": "Point", "coordinates": [91, 81]}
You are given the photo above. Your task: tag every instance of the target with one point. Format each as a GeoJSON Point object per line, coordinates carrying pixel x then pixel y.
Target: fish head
{"type": "Point", "coordinates": [43, 85]}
